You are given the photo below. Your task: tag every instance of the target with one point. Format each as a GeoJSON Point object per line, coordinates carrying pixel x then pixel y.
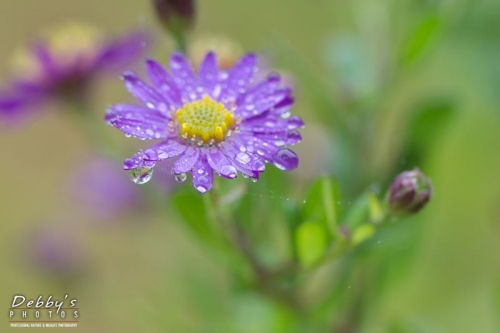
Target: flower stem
{"type": "Point", "coordinates": [181, 42]}
{"type": "Point", "coordinates": [237, 238]}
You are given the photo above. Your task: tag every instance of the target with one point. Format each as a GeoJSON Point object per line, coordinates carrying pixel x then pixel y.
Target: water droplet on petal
{"type": "Point", "coordinates": [295, 122]}
{"type": "Point", "coordinates": [243, 158]}
{"type": "Point", "coordinates": [228, 171]}
{"type": "Point", "coordinates": [286, 115]}
{"type": "Point", "coordinates": [258, 165]}
{"type": "Point", "coordinates": [201, 189]}
{"type": "Point", "coordinates": [202, 184]}
{"type": "Point", "coordinates": [141, 175]}
{"type": "Point", "coordinates": [286, 159]}
{"type": "Point", "coordinates": [181, 177]}
{"type": "Point", "coordinates": [254, 180]}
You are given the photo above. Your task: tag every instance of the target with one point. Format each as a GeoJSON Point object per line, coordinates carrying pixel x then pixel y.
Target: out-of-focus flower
{"type": "Point", "coordinates": [105, 192]}
{"type": "Point", "coordinates": [177, 16]}
{"type": "Point", "coordinates": [63, 63]}
{"type": "Point", "coordinates": [409, 192]}
{"type": "Point", "coordinates": [215, 120]}
{"type": "Point", "coordinates": [57, 250]}
{"type": "Point", "coordinates": [229, 52]}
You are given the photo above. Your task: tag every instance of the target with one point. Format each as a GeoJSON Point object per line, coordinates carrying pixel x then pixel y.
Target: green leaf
{"type": "Point", "coordinates": [321, 203]}
{"type": "Point", "coordinates": [357, 213]}
{"type": "Point", "coordinates": [362, 233]}
{"type": "Point", "coordinates": [428, 124]}
{"type": "Point", "coordinates": [311, 242]}
{"type": "Point", "coordinates": [375, 208]}
{"type": "Point", "coordinates": [421, 37]}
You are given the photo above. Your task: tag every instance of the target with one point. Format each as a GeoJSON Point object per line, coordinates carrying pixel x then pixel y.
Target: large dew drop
{"type": "Point", "coordinates": [181, 177]}
{"type": "Point", "coordinates": [141, 175]}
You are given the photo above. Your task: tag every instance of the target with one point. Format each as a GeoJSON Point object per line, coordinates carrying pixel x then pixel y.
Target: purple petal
{"type": "Point", "coordinates": [266, 125]}
{"type": "Point", "coordinates": [203, 175]}
{"type": "Point", "coordinates": [122, 52]}
{"type": "Point", "coordinates": [184, 76]}
{"type": "Point", "coordinates": [19, 101]}
{"type": "Point", "coordinates": [263, 148]}
{"type": "Point", "coordinates": [150, 96]}
{"type": "Point", "coordinates": [209, 72]}
{"type": "Point", "coordinates": [264, 88]}
{"type": "Point", "coordinates": [169, 149]}
{"type": "Point", "coordinates": [283, 107]}
{"type": "Point", "coordinates": [165, 84]}
{"type": "Point", "coordinates": [293, 138]}
{"type": "Point", "coordinates": [286, 160]}
{"type": "Point", "coordinates": [240, 160]}
{"type": "Point", "coordinates": [238, 78]}
{"type": "Point", "coordinates": [186, 162]}
{"type": "Point", "coordinates": [221, 164]}
{"type": "Point", "coordinates": [138, 121]}
{"type": "Point", "coordinates": [235, 150]}
{"type": "Point", "coordinates": [42, 54]}
{"type": "Point", "coordinates": [295, 122]}
{"type": "Point", "coordinates": [30, 87]}
{"type": "Point", "coordinates": [263, 97]}
{"type": "Point", "coordinates": [158, 152]}
{"type": "Point", "coordinates": [134, 162]}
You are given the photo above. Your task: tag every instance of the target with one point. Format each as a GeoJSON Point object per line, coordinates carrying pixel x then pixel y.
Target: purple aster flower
{"type": "Point", "coordinates": [62, 64]}
{"type": "Point", "coordinates": [214, 120]}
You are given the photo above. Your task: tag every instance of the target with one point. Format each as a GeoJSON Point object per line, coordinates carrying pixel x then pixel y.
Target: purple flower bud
{"type": "Point", "coordinates": [409, 192]}
{"type": "Point", "coordinates": [176, 15]}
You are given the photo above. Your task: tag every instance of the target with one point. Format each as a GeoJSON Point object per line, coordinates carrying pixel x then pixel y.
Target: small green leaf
{"type": "Point", "coordinates": [311, 242]}
{"type": "Point", "coordinates": [375, 208]}
{"type": "Point", "coordinates": [322, 203]}
{"type": "Point", "coordinates": [421, 37]}
{"type": "Point", "coordinates": [357, 213]}
{"type": "Point", "coordinates": [428, 124]}
{"type": "Point", "coordinates": [362, 233]}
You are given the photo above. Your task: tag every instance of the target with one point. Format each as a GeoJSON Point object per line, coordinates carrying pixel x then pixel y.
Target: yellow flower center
{"type": "Point", "coordinates": [205, 121]}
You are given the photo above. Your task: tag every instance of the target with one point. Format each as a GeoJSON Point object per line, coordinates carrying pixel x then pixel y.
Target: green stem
{"type": "Point", "coordinates": [181, 42]}
{"type": "Point", "coordinates": [237, 237]}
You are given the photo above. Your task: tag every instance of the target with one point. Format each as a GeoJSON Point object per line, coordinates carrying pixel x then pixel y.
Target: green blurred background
{"type": "Point", "coordinates": [150, 275]}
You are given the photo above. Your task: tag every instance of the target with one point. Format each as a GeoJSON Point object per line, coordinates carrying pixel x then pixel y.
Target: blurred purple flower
{"type": "Point", "coordinates": [104, 191]}
{"type": "Point", "coordinates": [229, 52]}
{"type": "Point", "coordinates": [215, 120]}
{"type": "Point", "coordinates": [57, 250]}
{"type": "Point", "coordinates": [63, 64]}
{"type": "Point", "coordinates": [100, 188]}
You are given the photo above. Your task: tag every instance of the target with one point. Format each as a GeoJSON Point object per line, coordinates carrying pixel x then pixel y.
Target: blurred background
{"type": "Point", "coordinates": [419, 81]}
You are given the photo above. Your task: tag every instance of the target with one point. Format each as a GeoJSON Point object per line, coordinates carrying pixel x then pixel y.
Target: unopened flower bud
{"type": "Point", "coordinates": [409, 192]}
{"type": "Point", "coordinates": [177, 16]}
